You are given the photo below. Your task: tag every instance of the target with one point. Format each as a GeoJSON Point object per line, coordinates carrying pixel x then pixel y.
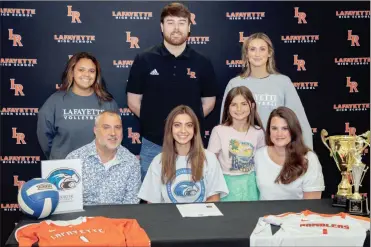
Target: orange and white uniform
{"type": "Point", "coordinates": [310, 229]}
{"type": "Point", "coordinates": [83, 231]}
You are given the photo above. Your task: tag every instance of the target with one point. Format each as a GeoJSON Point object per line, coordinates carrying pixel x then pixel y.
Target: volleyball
{"type": "Point", "coordinates": [38, 198]}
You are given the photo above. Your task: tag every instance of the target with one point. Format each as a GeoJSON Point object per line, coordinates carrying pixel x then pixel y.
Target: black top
{"type": "Point", "coordinates": [166, 81]}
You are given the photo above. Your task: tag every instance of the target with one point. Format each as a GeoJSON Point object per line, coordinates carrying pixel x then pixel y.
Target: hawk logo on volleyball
{"type": "Point", "coordinates": [64, 178]}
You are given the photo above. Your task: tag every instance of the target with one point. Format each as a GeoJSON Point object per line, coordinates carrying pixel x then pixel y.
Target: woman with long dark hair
{"type": "Point", "coordinates": [66, 120]}
{"type": "Point", "coordinates": [184, 172]}
{"type": "Point", "coordinates": [286, 168]}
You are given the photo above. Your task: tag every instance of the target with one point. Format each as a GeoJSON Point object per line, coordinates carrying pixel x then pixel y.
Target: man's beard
{"type": "Point", "coordinates": [105, 144]}
{"type": "Point", "coordinates": [176, 42]}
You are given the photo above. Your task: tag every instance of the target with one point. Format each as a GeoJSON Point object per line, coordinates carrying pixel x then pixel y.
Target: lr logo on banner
{"type": "Point", "coordinates": [18, 136]}
{"type": "Point", "coordinates": [242, 38]}
{"type": "Point", "coordinates": [300, 15]}
{"type": "Point", "coordinates": [353, 38]}
{"type": "Point", "coordinates": [74, 14]}
{"type": "Point", "coordinates": [193, 19]}
{"type": "Point", "coordinates": [300, 63]}
{"type": "Point", "coordinates": [351, 130]}
{"type": "Point", "coordinates": [352, 85]}
{"type": "Point", "coordinates": [18, 88]}
{"type": "Point", "coordinates": [132, 40]}
{"type": "Point", "coordinates": [15, 37]}
{"type": "Point", "coordinates": [134, 136]}
{"type": "Point", "coordinates": [18, 183]}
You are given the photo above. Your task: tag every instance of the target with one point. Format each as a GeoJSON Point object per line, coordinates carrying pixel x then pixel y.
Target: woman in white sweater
{"type": "Point", "coordinates": [270, 88]}
{"type": "Point", "coordinates": [286, 169]}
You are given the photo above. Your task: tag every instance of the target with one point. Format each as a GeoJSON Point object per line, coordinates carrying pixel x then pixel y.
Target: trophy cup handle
{"type": "Point", "coordinates": [366, 141]}
{"type": "Point", "coordinates": [363, 176]}
{"type": "Point", "coordinates": [324, 133]}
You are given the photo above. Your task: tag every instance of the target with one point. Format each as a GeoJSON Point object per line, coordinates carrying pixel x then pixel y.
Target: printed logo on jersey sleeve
{"type": "Point", "coordinates": [183, 189]}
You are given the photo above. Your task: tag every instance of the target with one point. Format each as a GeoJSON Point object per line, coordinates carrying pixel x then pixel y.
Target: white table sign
{"type": "Point", "coordinates": [66, 175]}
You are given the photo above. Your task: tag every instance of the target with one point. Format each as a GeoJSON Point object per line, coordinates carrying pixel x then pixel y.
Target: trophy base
{"type": "Point", "coordinates": [339, 201]}
{"type": "Point", "coordinates": [358, 207]}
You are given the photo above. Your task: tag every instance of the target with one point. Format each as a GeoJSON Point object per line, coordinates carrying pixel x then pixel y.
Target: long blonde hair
{"type": "Point", "coordinates": [196, 155]}
{"type": "Point", "coordinates": [271, 64]}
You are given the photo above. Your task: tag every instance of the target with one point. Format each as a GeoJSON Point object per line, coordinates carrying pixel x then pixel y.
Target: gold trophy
{"type": "Point", "coordinates": [357, 203]}
{"type": "Point", "coordinates": [347, 151]}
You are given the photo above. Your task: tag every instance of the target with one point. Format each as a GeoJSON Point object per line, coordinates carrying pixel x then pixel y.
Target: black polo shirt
{"type": "Point", "coordinates": [166, 81]}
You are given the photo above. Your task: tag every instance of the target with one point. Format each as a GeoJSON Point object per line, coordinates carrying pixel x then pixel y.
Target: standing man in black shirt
{"type": "Point", "coordinates": [168, 75]}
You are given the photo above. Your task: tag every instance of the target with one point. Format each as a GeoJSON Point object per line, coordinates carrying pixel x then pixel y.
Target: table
{"type": "Point", "coordinates": [166, 227]}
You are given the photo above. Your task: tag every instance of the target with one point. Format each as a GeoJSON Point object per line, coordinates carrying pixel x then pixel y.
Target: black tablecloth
{"type": "Point", "coordinates": [166, 227]}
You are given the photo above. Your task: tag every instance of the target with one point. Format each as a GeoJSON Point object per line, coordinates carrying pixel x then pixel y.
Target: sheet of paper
{"type": "Point", "coordinates": [66, 175]}
{"type": "Point", "coordinates": [199, 210]}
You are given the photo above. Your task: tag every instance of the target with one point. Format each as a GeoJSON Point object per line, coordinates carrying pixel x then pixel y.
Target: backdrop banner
{"type": "Point", "coordinates": [324, 47]}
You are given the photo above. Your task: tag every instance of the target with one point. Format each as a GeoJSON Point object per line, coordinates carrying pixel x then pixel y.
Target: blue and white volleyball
{"type": "Point", "coordinates": [38, 198]}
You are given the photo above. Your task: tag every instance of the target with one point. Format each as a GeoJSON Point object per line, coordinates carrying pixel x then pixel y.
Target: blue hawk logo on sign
{"type": "Point", "coordinates": [64, 178]}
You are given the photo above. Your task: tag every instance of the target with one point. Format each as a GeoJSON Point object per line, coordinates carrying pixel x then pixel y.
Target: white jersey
{"type": "Point", "coordinates": [310, 229]}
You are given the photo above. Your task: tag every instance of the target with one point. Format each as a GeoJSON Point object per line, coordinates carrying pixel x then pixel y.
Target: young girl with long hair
{"type": "Point", "coordinates": [235, 142]}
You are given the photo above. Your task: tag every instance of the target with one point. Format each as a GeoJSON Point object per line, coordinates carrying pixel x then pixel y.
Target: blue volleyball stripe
{"type": "Point", "coordinates": [43, 194]}
{"type": "Point", "coordinates": [34, 205]}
